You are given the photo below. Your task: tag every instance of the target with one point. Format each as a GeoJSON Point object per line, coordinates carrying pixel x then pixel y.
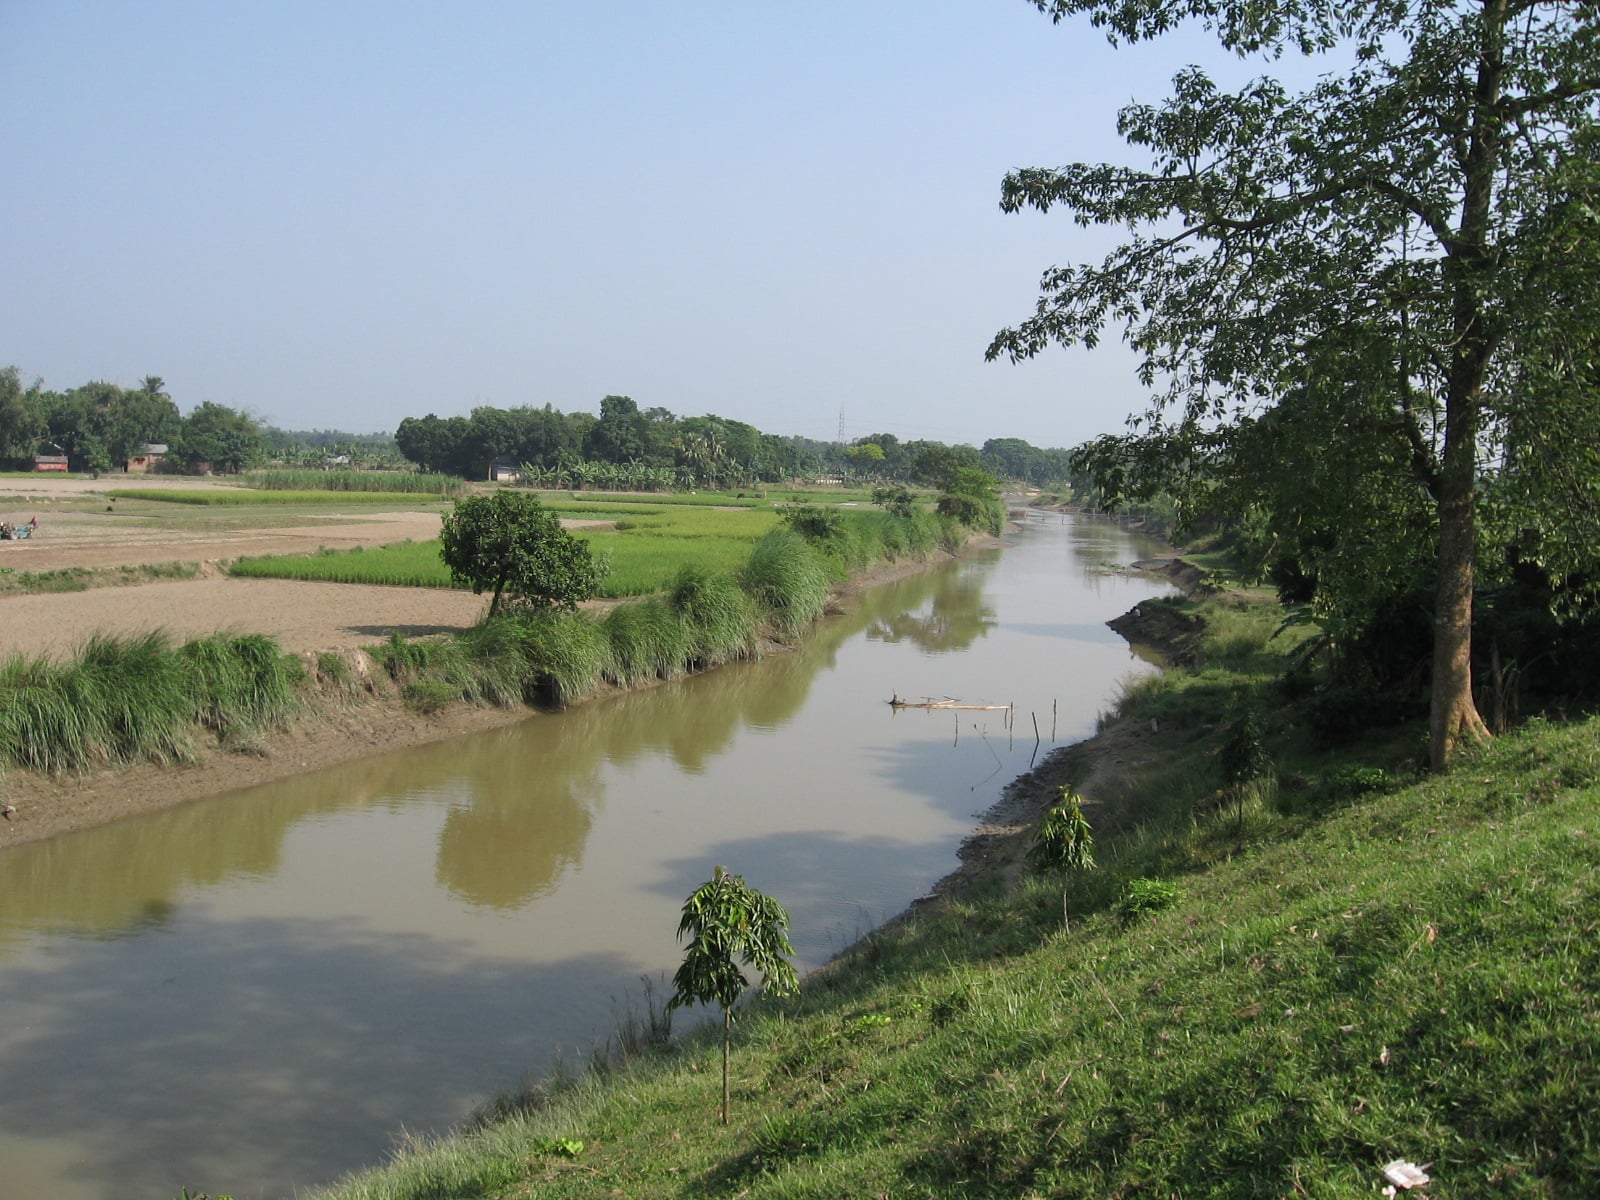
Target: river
{"type": "Point", "coordinates": [259, 992]}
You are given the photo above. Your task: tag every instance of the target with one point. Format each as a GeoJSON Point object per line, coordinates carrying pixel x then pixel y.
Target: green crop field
{"type": "Point", "coordinates": [643, 551]}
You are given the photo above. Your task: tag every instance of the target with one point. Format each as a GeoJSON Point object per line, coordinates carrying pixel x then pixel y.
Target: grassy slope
{"type": "Point", "coordinates": [1346, 979]}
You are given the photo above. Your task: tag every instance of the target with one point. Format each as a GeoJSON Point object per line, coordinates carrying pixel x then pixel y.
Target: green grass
{"type": "Point", "coordinates": [81, 579]}
{"type": "Point", "coordinates": [406, 482]}
{"type": "Point", "coordinates": [653, 539]}
{"type": "Point", "coordinates": [643, 558]}
{"type": "Point", "coordinates": [141, 699]}
{"type": "Point", "coordinates": [399, 564]}
{"type": "Point", "coordinates": [239, 496]}
{"type": "Point", "coordinates": [1270, 999]}
{"type": "Point", "coordinates": [787, 577]}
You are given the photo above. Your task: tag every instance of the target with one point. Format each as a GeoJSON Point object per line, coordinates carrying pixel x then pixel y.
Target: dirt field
{"type": "Point", "coordinates": [79, 527]}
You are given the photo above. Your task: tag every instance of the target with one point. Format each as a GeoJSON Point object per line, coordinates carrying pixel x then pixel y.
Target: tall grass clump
{"type": "Point", "coordinates": [913, 535]}
{"type": "Point", "coordinates": [39, 726]}
{"type": "Point", "coordinates": [140, 697]}
{"type": "Point", "coordinates": [122, 699]}
{"type": "Point", "coordinates": [571, 656]}
{"type": "Point", "coordinates": [128, 699]}
{"type": "Point", "coordinates": [721, 618]}
{"type": "Point", "coordinates": [648, 641]}
{"type": "Point", "coordinates": [498, 661]}
{"type": "Point", "coordinates": [243, 683]}
{"type": "Point", "coordinates": [788, 580]}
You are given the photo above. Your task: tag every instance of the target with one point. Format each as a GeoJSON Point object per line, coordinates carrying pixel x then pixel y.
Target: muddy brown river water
{"type": "Point", "coordinates": [257, 993]}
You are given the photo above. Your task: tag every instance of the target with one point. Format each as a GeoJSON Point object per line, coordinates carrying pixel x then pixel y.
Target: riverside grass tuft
{"type": "Point", "coordinates": [1407, 971]}
{"type": "Point", "coordinates": [787, 578]}
{"type": "Point", "coordinates": [132, 699]}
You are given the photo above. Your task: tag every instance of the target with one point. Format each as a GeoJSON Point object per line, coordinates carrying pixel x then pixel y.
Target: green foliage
{"type": "Point", "coordinates": [729, 923]}
{"type": "Point", "coordinates": [787, 579]}
{"type": "Point", "coordinates": [136, 699]}
{"type": "Point", "coordinates": [563, 1147]}
{"type": "Point", "coordinates": [507, 544]}
{"type": "Point", "coordinates": [387, 482]}
{"type": "Point", "coordinates": [1141, 897]}
{"type": "Point", "coordinates": [648, 640]}
{"type": "Point", "coordinates": [1064, 843]}
{"type": "Point", "coordinates": [813, 522]}
{"type": "Point", "coordinates": [969, 498]}
{"type": "Point", "coordinates": [1362, 323]}
{"type": "Point", "coordinates": [1244, 757]}
{"type": "Point", "coordinates": [1358, 779]}
{"type": "Point", "coordinates": [897, 500]}
{"type": "Point", "coordinates": [721, 617]}
{"type": "Point", "coordinates": [570, 653]}
{"type": "Point", "coordinates": [247, 683]}
{"type": "Point", "coordinates": [214, 434]}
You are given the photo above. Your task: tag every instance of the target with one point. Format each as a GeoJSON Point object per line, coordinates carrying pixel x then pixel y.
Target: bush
{"type": "Point", "coordinates": [1142, 896]}
{"type": "Point", "coordinates": [813, 522]}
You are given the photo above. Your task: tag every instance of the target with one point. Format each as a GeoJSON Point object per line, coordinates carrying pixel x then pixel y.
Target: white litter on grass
{"type": "Point", "coordinates": [1405, 1174]}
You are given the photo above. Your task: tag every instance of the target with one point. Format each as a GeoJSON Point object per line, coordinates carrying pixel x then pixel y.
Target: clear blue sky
{"type": "Point", "coordinates": [336, 215]}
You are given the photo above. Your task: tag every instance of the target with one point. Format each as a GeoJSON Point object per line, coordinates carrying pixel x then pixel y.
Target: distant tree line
{"type": "Point", "coordinates": [102, 426]}
{"type": "Point", "coordinates": [655, 449]}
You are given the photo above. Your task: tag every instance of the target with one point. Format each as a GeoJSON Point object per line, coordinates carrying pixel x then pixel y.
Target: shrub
{"type": "Point", "coordinates": [813, 522]}
{"type": "Point", "coordinates": [1142, 896]}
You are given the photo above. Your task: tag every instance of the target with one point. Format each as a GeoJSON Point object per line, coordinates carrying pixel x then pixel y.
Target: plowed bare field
{"type": "Point", "coordinates": [80, 526]}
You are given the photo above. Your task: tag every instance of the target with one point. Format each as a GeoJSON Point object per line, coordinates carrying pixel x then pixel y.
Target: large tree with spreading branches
{"type": "Point", "coordinates": [1397, 262]}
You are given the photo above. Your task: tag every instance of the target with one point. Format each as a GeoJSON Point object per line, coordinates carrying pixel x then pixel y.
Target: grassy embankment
{"type": "Point", "coordinates": [1359, 963]}
{"type": "Point", "coordinates": [138, 699]}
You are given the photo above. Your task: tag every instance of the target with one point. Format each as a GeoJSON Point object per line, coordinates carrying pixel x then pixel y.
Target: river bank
{"type": "Point", "coordinates": [338, 726]}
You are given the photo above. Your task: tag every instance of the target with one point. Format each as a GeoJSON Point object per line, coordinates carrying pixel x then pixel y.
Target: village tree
{"type": "Point", "coordinates": [1410, 240]}
{"type": "Point", "coordinates": [728, 922]}
{"type": "Point", "coordinates": [510, 545]}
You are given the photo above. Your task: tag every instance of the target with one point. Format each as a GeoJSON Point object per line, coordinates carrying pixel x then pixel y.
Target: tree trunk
{"type": "Point", "coordinates": [1454, 715]}
{"type": "Point", "coordinates": [727, 1034]}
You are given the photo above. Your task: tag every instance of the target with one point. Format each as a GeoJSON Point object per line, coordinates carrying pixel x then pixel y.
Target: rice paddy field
{"type": "Point", "coordinates": [643, 545]}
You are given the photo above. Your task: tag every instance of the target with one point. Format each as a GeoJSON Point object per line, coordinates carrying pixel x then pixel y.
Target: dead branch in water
{"type": "Point", "coordinates": [947, 702]}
